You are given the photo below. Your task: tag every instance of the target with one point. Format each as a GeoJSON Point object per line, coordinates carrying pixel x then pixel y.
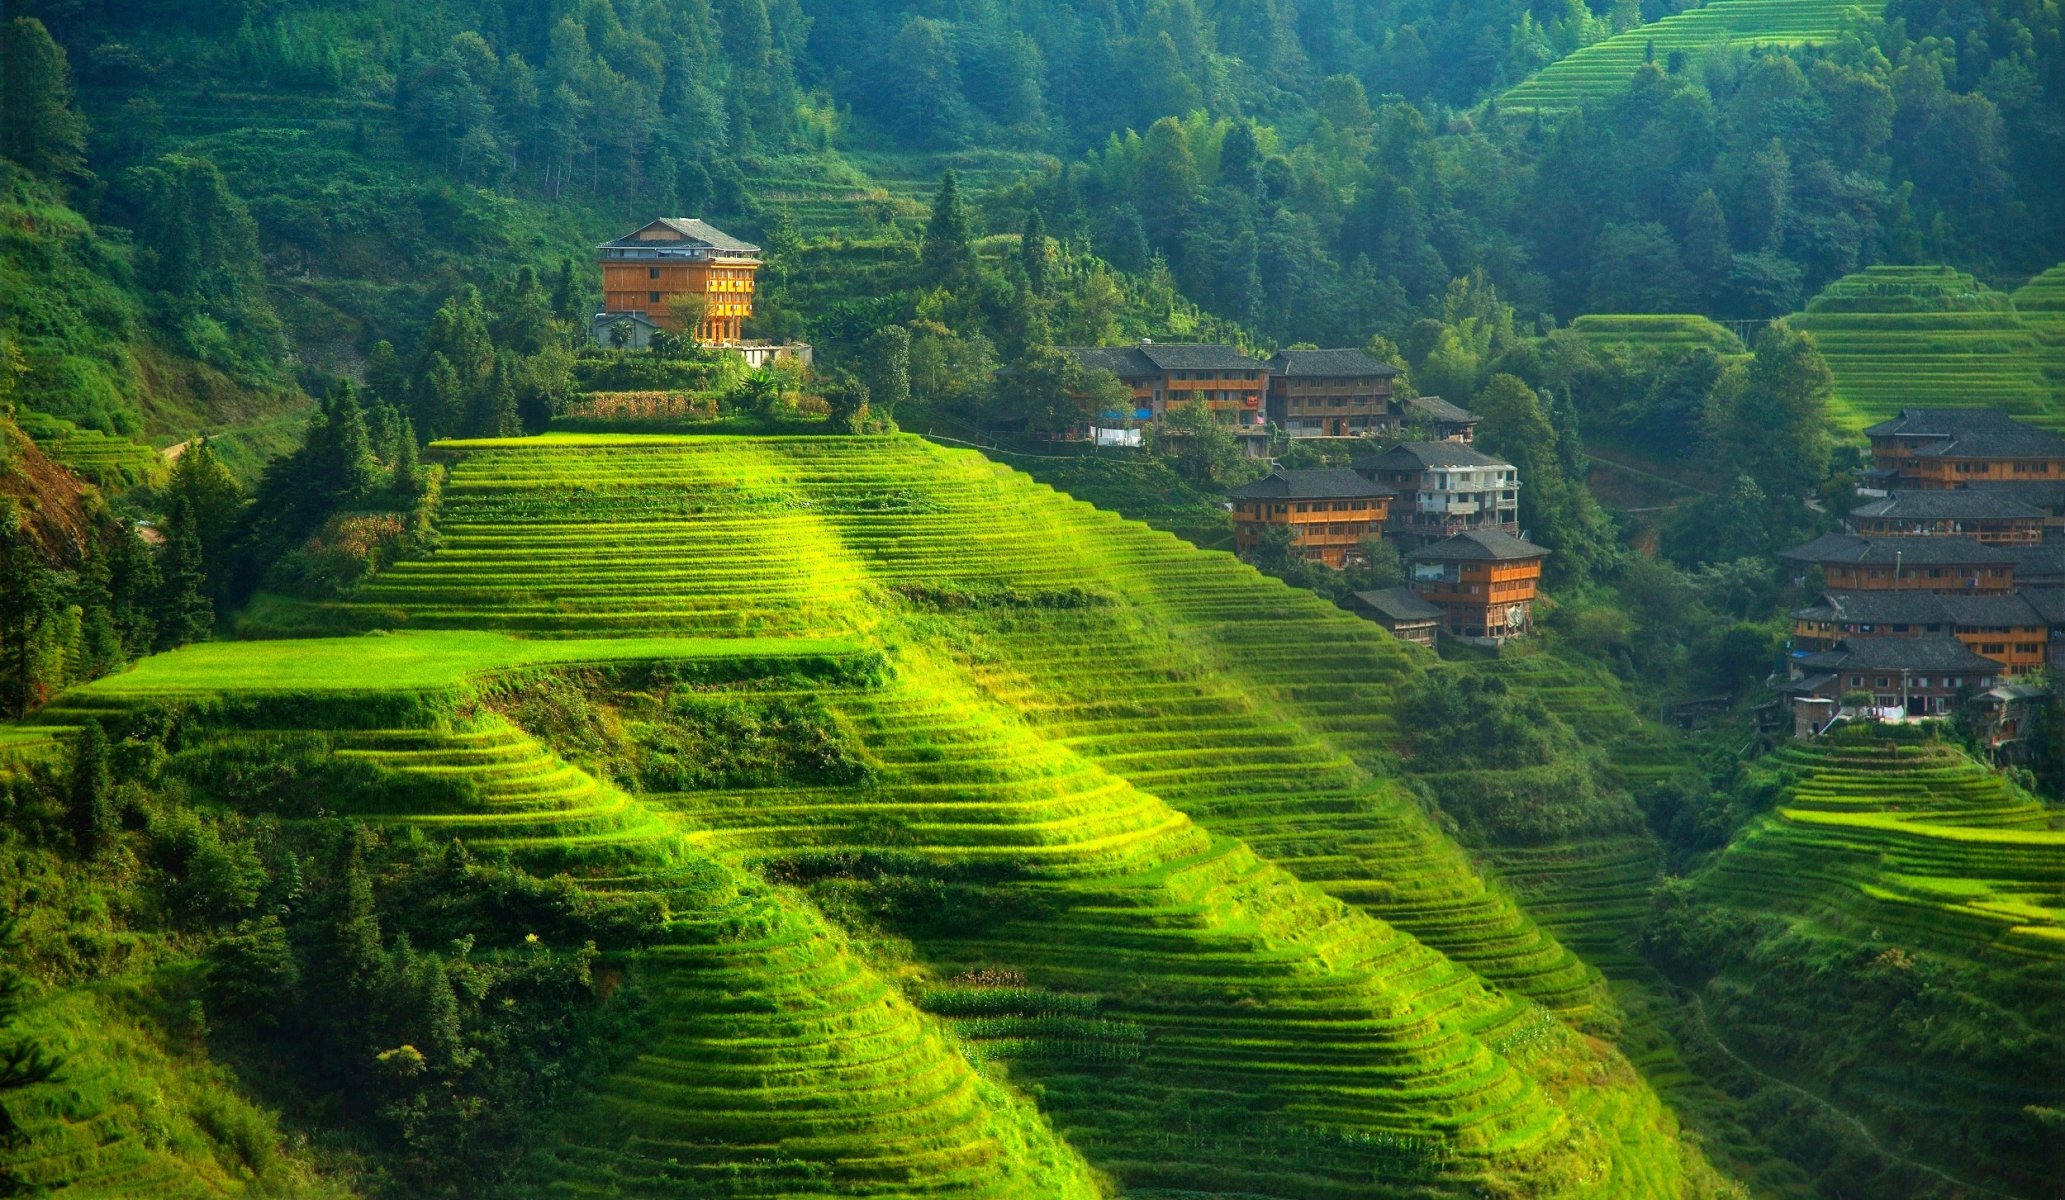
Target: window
{"type": "Point", "coordinates": [654, 297]}
{"type": "Point", "coordinates": [1856, 681]}
{"type": "Point", "coordinates": [652, 272]}
{"type": "Point", "coordinates": [1879, 682]}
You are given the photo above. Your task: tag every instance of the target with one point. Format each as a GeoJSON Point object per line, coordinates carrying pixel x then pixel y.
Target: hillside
{"type": "Point", "coordinates": [1075, 823]}
{"type": "Point", "coordinates": [1597, 72]}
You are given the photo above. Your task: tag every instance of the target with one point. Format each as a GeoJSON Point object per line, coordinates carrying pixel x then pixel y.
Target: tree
{"type": "Point", "coordinates": [24, 1062]}
{"type": "Point", "coordinates": [1033, 251]}
{"type": "Point", "coordinates": [948, 251]}
{"type": "Point", "coordinates": [1043, 389]}
{"type": "Point", "coordinates": [1707, 256]}
{"type": "Point", "coordinates": [1196, 445]}
{"type": "Point", "coordinates": [38, 128]}
{"type": "Point", "coordinates": [90, 793]}
{"type": "Point", "coordinates": [1774, 416]}
{"type": "Point", "coordinates": [886, 368]}
{"type": "Point", "coordinates": [31, 593]}
{"type": "Point", "coordinates": [204, 484]}
{"type": "Point", "coordinates": [184, 612]}
{"type": "Point", "coordinates": [342, 469]}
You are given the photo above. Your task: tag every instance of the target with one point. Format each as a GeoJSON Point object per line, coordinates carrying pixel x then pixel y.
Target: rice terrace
{"type": "Point", "coordinates": [1172, 600]}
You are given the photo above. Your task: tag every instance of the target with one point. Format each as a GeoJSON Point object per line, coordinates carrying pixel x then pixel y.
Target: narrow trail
{"type": "Point", "coordinates": [1842, 1116]}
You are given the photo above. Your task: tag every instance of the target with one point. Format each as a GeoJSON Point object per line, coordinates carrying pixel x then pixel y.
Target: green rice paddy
{"type": "Point", "coordinates": [1657, 331]}
{"type": "Point", "coordinates": [1601, 70]}
{"type": "Point", "coordinates": [104, 458]}
{"type": "Point", "coordinates": [1900, 337]}
{"type": "Point", "coordinates": [1181, 930]}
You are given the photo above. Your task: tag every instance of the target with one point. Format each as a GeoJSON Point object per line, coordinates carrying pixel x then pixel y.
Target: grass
{"type": "Point", "coordinates": [106, 459]}
{"type": "Point", "coordinates": [1600, 71]}
{"type": "Point", "coordinates": [1896, 336]}
{"type": "Point", "coordinates": [1661, 331]}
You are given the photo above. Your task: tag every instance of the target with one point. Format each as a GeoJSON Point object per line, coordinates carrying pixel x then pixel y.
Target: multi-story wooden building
{"type": "Point", "coordinates": [1168, 376]}
{"type": "Point", "coordinates": [1958, 447]}
{"type": "Point", "coordinates": [1850, 563]}
{"type": "Point", "coordinates": [2013, 630]}
{"type": "Point", "coordinates": [1440, 419]}
{"type": "Point", "coordinates": [1405, 615]}
{"type": "Point", "coordinates": [1330, 393]}
{"type": "Point", "coordinates": [1920, 677]}
{"type": "Point", "coordinates": [674, 259]}
{"type": "Point", "coordinates": [1445, 488]}
{"type": "Point", "coordinates": [1330, 513]}
{"type": "Point", "coordinates": [1983, 514]}
{"type": "Point", "coordinates": [2047, 498]}
{"type": "Point", "coordinates": [1484, 582]}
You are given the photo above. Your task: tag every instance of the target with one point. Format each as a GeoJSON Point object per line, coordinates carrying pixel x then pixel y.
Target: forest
{"type": "Point", "coordinates": [448, 752]}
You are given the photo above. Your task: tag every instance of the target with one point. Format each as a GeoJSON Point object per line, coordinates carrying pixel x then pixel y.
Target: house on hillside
{"type": "Point", "coordinates": [1913, 677]}
{"type": "Point", "coordinates": [1445, 488]}
{"type": "Point", "coordinates": [1169, 376]}
{"type": "Point", "coordinates": [678, 264]}
{"type": "Point", "coordinates": [1444, 420]}
{"type": "Point", "coordinates": [1936, 448]}
{"type": "Point", "coordinates": [1982, 514]}
{"type": "Point", "coordinates": [1850, 563]}
{"type": "Point", "coordinates": [2047, 498]}
{"type": "Point", "coordinates": [2041, 565]}
{"type": "Point", "coordinates": [1399, 610]}
{"type": "Point", "coordinates": [1330, 513]}
{"type": "Point", "coordinates": [1330, 393]}
{"type": "Point", "coordinates": [2014, 630]}
{"type": "Point", "coordinates": [1484, 582]}
{"type": "Point", "coordinates": [624, 330]}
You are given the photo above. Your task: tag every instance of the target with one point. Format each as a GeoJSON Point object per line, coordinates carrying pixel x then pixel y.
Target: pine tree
{"type": "Point", "coordinates": [1033, 251]}
{"type": "Point", "coordinates": [386, 382]}
{"type": "Point", "coordinates": [342, 467]}
{"type": "Point", "coordinates": [132, 591]}
{"type": "Point", "coordinates": [38, 128]}
{"type": "Point", "coordinates": [1706, 242]}
{"type": "Point", "coordinates": [23, 1062]}
{"type": "Point", "coordinates": [184, 613]}
{"type": "Point", "coordinates": [408, 469]}
{"type": "Point", "coordinates": [440, 399]}
{"type": "Point", "coordinates": [100, 641]}
{"type": "Point", "coordinates": [202, 480]}
{"type": "Point", "coordinates": [948, 251]}
{"type": "Point", "coordinates": [30, 595]}
{"type": "Point", "coordinates": [90, 793]}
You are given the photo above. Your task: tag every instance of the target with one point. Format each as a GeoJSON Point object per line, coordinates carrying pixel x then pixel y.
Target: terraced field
{"type": "Point", "coordinates": [1658, 331]}
{"type": "Point", "coordinates": [1599, 71]}
{"type": "Point", "coordinates": [1904, 336]}
{"type": "Point", "coordinates": [1224, 955]}
{"type": "Point", "coordinates": [101, 457]}
{"type": "Point", "coordinates": [1918, 839]}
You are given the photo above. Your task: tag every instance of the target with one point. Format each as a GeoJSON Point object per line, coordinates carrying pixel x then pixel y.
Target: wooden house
{"type": "Point", "coordinates": [1850, 563]}
{"type": "Point", "coordinates": [1484, 582]}
{"type": "Point", "coordinates": [1169, 376]}
{"type": "Point", "coordinates": [1982, 514]}
{"type": "Point", "coordinates": [1330, 393]}
{"type": "Point", "coordinates": [1917, 677]}
{"type": "Point", "coordinates": [1443, 421]}
{"type": "Point", "coordinates": [1330, 513]}
{"type": "Point", "coordinates": [653, 269]}
{"type": "Point", "coordinates": [2013, 630]}
{"type": "Point", "coordinates": [1404, 614]}
{"type": "Point", "coordinates": [1936, 448]}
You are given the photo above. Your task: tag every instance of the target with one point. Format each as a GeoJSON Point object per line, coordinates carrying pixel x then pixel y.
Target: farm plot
{"type": "Point", "coordinates": [1930, 336]}
{"type": "Point", "coordinates": [1659, 331]}
{"type": "Point", "coordinates": [1084, 742]}
{"type": "Point", "coordinates": [104, 458]}
{"type": "Point", "coordinates": [1600, 71]}
{"type": "Point", "coordinates": [772, 1062]}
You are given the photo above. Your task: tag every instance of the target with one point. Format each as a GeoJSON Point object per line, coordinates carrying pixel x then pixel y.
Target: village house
{"type": "Point", "coordinates": [1329, 513]}
{"type": "Point", "coordinates": [2041, 565]}
{"type": "Point", "coordinates": [1330, 393]}
{"type": "Point", "coordinates": [1445, 488]}
{"type": "Point", "coordinates": [2047, 498]}
{"type": "Point", "coordinates": [1850, 563]}
{"type": "Point", "coordinates": [1936, 448]}
{"type": "Point", "coordinates": [2008, 718]}
{"type": "Point", "coordinates": [1398, 610]}
{"type": "Point", "coordinates": [675, 265]}
{"type": "Point", "coordinates": [1440, 419]}
{"type": "Point", "coordinates": [2013, 630]}
{"type": "Point", "coordinates": [1915, 677]}
{"type": "Point", "coordinates": [1168, 376]}
{"type": "Point", "coordinates": [1484, 581]}
{"type": "Point", "coordinates": [1985, 515]}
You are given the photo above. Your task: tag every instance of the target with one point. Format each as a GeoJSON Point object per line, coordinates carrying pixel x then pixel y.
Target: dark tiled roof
{"type": "Point", "coordinates": [1933, 652]}
{"type": "Point", "coordinates": [1879, 608]}
{"type": "Point", "coordinates": [2049, 603]}
{"type": "Point", "coordinates": [1961, 504]}
{"type": "Point", "coordinates": [1126, 362]}
{"type": "Point", "coordinates": [690, 229]}
{"type": "Point", "coordinates": [2044, 494]}
{"type": "Point", "coordinates": [1885, 551]}
{"type": "Point", "coordinates": [1972, 612]}
{"type": "Point", "coordinates": [1420, 456]}
{"type": "Point", "coordinates": [1334, 483]}
{"type": "Point", "coordinates": [1434, 408]}
{"type": "Point", "coordinates": [1187, 357]}
{"type": "Point", "coordinates": [2006, 443]}
{"type": "Point", "coordinates": [1479, 545]}
{"type": "Point", "coordinates": [1399, 604]}
{"type": "Point", "coordinates": [2043, 561]}
{"type": "Point", "coordinates": [1328, 364]}
{"type": "Point", "coordinates": [1944, 422]}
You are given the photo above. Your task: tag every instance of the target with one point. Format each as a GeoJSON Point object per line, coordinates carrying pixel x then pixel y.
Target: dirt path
{"type": "Point", "coordinates": [1863, 1131]}
{"type": "Point", "coordinates": [173, 452]}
